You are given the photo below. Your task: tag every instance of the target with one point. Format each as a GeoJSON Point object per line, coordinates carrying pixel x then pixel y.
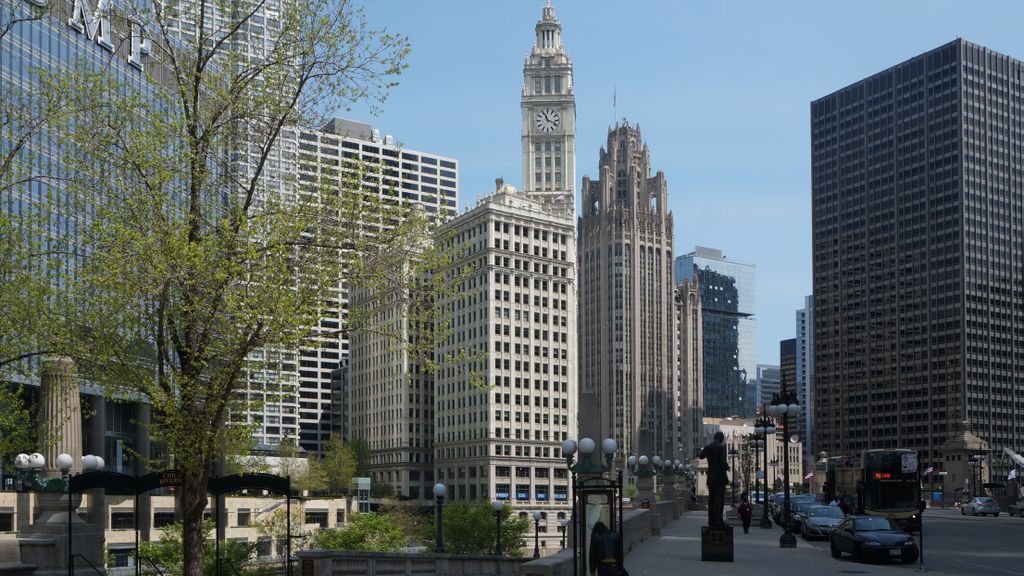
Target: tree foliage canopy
{"type": "Point", "coordinates": [365, 532]}
{"type": "Point", "coordinates": [471, 528]}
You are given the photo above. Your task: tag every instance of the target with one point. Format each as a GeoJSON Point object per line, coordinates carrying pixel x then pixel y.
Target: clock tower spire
{"type": "Point", "coordinates": [549, 119]}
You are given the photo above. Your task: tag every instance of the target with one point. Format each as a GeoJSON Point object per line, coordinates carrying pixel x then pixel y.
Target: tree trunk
{"type": "Point", "coordinates": [193, 503]}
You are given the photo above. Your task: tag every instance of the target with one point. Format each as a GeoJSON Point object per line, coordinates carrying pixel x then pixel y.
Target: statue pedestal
{"type": "Point", "coordinates": [668, 491]}
{"type": "Point", "coordinates": [645, 490]}
{"type": "Point", "coordinates": [45, 542]}
{"type": "Point", "coordinates": [716, 543]}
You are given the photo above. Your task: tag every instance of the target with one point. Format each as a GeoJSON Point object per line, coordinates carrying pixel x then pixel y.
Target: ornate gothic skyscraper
{"type": "Point", "coordinates": [627, 321]}
{"type": "Point", "coordinates": [549, 120]}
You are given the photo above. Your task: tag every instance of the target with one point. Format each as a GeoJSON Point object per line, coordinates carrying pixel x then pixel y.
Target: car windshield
{"type": "Point", "coordinates": [825, 512]}
{"type": "Point", "coordinates": [870, 524]}
{"type": "Point", "coordinates": [986, 501]}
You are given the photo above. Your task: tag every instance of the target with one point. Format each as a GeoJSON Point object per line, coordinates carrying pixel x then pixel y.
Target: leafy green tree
{"type": "Point", "coordinates": [167, 552]}
{"type": "Point", "coordinates": [410, 517]}
{"type": "Point", "coordinates": [195, 261]}
{"type": "Point", "coordinates": [275, 526]}
{"type": "Point", "coordinates": [382, 490]}
{"type": "Point", "coordinates": [304, 470]}
{"type": "Point", "coordinates": [365, 532]}
{"type": "Point", "coordinates": [339, 464]}
{"type": "Point", "coordinates": [470, 528]}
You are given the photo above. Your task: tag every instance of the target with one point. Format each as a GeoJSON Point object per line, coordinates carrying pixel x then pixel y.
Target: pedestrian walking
{"type": "Point", "coordinates": [745, 511]}
{"type": "Point", "coordinates": [845, 506]}
{"type": "Point", "coordinates": [605, 551]}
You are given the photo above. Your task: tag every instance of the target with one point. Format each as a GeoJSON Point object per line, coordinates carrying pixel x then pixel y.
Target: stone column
{"type": "Point", "coordinates": [58, 531]}
{"type": "Point", "coordinates": [60, 422]}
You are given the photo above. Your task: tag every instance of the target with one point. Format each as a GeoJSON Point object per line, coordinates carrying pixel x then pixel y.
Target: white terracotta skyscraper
{"type": "Point", "coordinates": [549, 120]}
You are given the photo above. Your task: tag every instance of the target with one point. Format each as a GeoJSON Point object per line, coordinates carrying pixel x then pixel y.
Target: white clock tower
{"type": "Point", "coordinates": [549, 119]}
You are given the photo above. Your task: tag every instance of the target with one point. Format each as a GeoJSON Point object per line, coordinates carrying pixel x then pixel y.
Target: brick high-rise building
{"type": "Point", "coordinates": [628, 353]}
{"type": "Point", "coordinates": [918, 193]}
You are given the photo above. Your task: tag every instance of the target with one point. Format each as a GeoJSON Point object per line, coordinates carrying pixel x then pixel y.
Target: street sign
{"type": "Point", "coordinates": [909, 463]}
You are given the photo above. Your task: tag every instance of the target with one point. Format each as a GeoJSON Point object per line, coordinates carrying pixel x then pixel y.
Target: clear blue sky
{"type": "Point", "coordinates": [720, 89]}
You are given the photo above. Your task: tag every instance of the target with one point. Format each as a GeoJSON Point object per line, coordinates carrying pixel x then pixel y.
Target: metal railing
{"type": "Point", "coordinates": [91, 565]}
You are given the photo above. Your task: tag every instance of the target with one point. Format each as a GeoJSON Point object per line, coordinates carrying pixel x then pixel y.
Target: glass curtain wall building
{"type": "Point", "coordinates": [918, 195]}
{"type": "Point", "coordinates": [728, 296]}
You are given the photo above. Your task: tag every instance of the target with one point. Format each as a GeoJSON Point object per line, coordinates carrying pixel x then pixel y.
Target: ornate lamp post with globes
{"type": "Point", "coordinates": [784, 404]}
{"type": "Point", "coordinates": [439, 492]}
{"type": "Point", "coordinates": [643, 469]}
{"type": "Point", "coordinates": [595, 482]}
{"type": "Point", "coordinates": [536, 533]}
{"type": "Point", "coordinates": [763, 428]}
{"type": "Point", "coordinates": [498, 508]}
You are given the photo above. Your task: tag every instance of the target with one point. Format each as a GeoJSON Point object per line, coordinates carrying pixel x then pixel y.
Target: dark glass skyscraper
{"type": "Point", "coordinates": [728, 297]}
{"type": "Point", "coordinates": [918, 245]}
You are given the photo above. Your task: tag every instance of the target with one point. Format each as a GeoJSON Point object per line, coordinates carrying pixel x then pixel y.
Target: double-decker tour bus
{"type": "Point", "coordinates": [878, 482]}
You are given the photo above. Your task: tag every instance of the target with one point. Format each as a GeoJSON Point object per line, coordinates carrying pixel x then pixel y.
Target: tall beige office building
{"type": "Point", "coordinates": [390, 396]}
{"type": "Point", "coordinates": [628, 353]}
{"type": "Point", "coordinates": [691, 368]}
{"type": "Point", "coordinates": [339, 150]}
{"type": "Point", "coordinates": [501, 417]}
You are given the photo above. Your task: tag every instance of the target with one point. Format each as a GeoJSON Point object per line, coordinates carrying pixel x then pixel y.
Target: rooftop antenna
{"type": "Point", "coordinates": [615, 113]}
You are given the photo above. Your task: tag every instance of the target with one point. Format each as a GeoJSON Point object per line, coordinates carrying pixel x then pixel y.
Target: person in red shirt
{"type": "Point", "coordinates": [745, 511]}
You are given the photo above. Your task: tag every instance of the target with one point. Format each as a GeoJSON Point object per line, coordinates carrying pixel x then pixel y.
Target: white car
{"type": "Point", "coordinates": [981, 505]}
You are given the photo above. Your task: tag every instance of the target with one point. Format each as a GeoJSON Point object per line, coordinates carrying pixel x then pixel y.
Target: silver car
{"type": "Point", "coordinates": [980, 505]}
{"type": "Point", "coordinates": [819, 521]}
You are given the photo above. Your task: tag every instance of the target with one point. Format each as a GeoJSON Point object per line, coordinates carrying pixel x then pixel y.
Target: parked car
{"type": "Point", "coordinates": [980, 505]}
{"type": "Point", "coordinates": [820, 521]}
{"type": "Point", "coordinates": [872, 537]}
{"type": "Point", "coordinates": [798, 510]}
{"type": "Point", "coordinates": [1017, 508]}
{"type": "Point", "coordinates": [780, 507]}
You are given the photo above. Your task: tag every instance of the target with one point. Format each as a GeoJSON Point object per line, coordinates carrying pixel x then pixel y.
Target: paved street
{"type": "Point", "coordinates": [953, 545]}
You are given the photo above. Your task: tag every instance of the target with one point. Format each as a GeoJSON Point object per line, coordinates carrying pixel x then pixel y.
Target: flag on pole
{"type": "Point", "coordinates": [809, 475]}
{"type": "Point", "coordinates": [929, 470]}
{"type": "Point", "coordinates": [1012, 474]}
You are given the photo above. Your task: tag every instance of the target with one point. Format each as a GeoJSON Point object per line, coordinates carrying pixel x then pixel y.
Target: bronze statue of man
{"type": "Point", "coordinates": [718, 477]}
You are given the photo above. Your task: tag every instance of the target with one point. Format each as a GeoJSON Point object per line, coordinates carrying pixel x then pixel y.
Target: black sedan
{"type": "Point", "coordinates": [872, 537]}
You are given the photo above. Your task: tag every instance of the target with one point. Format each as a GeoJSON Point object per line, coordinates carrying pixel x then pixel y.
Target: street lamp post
{"type": "Point", "coordinates": [561, 528]}
{"type": "Point", "coordinates": [733, 454]}
{"type": "Point", "coordinates": [498, 507]}
{"type": "Point", "coordinates": [536, 534]}
{"type": "Point", "coordinates": [976, 458]}
{"type": "Point", "coordinates": [586, 465]}
{"type": "Point", "coordinates": [439, 492]}
{"type": "Point", "coordinates": [763, 428]}
{"type": "Point", "coordinates": [784, 404]}
{"type": "Point", "coordinates": [775, 474]}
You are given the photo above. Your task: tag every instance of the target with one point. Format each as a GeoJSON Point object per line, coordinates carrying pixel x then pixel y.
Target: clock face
{"type": "Point", "coordinates": [547, 120]}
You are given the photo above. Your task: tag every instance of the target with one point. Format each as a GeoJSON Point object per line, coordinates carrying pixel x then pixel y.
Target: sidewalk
{"type": "Point", "coordinates": [677, 551]}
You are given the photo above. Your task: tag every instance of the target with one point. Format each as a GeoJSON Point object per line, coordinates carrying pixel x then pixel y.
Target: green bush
{"type": "Point", "coordinates": [366, 532]}
{"type": "Point", "coordinates": [167, 552]}
{"type": "Point", "coordinates": [469, 528]}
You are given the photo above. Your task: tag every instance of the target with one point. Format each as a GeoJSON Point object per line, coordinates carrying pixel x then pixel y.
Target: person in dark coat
{"type": "Point", "coordinates": [745, 511]}
{"type": "Point", "coordinates": [605, 551]}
